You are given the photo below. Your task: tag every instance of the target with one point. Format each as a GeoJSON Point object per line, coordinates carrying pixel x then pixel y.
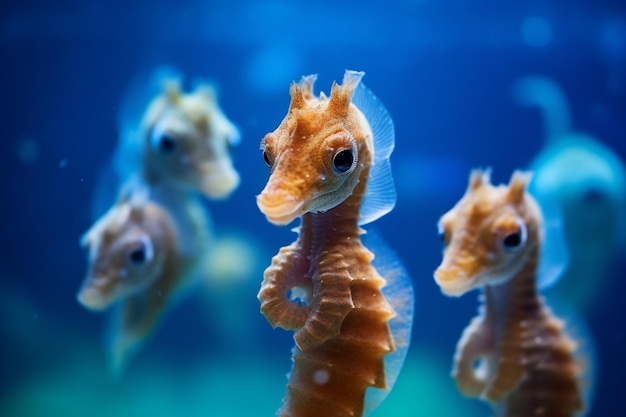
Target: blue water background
{"type": "Point", "coordinates": [443, 69]}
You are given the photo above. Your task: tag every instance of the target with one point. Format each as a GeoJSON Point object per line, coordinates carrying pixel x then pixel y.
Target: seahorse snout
{"type": "Point", "coordinates": [218, 180]}
{"type": "Point", "coordinates": [279, 206]}
{"type": "Point", "coordinates": [453, 280]}
{"type": "Point", "coordinates": [96, 293]}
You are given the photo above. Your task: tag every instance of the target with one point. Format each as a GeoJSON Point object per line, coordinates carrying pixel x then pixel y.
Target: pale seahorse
{"type": "Point", "coordinates": [588, 181]}
{"type": "Point", "coordinates": [329, 164]}
{"type": "Point", "coordinates": [183, 139]}
{"type": "Point", "coordinates": [516, 354]}
{"type": "Point", "coordinates": [142, 253]}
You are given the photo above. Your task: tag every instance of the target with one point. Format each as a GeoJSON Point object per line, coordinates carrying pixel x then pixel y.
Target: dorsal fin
{"type": "Point", "coordinates": [586, 353]}
{"type": "Point", "coordinates": [554, 256]}
{"type": "Point", "coordinates": [398, 291]}
{"type": "Point", "coordinates": [380, 197]}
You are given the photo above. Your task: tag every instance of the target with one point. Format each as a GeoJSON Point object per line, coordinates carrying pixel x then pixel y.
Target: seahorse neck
{"type": "Point", "coordinates": [338, 223]}
{"type": "Point", "coordinates": [172, 264]}
{"type": "Point", "coordinates": [516, 300]}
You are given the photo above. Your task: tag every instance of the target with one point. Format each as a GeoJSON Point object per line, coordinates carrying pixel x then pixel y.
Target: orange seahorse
{"type": "Point", "coordinates": [515, 354]}
{"type": "Point", "coordinates": [329, 161]}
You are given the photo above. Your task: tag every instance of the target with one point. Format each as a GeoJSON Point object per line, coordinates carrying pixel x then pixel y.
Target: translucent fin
{"type": "Point", "coordinates": [542, 92]}
{"type": "Point", "coordinates": [586, 351]}
{"type": "Point", "coordinates": [399, 294]}
{"type": "Point", "coordinates": [554, 257]}
{"type": "Point", "coordinates": [381, 193]}
{"type": "Point", "coordinates": [135, 100]}
{"type": "Point", "coordinates": [121, 343]}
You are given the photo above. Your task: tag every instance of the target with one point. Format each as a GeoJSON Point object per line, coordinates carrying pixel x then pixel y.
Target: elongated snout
{"type": "Point", "coordinates": [279, 206]}
{"type": "Point", "coordinates": [453, 280]}
{"type": "Point", "coordinates": [96, 293]}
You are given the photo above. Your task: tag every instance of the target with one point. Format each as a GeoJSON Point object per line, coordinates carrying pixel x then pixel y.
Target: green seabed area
{"type": "Point", "coordinates": [65, 374]}
{"type": "Point", "coordinates": [236, 388]}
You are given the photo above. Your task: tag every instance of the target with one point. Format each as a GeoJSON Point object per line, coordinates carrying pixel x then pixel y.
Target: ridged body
{"type": "Point", "coordinates": [139, 313]}
{"type": "Point", "coordinates": [343, 331]}
{"type": "Point", "coordinates": [172, 239]}
{"type": "Point", "coordinates": [515, 354]}
{"type": "Point", "coordinates": [532, 369]}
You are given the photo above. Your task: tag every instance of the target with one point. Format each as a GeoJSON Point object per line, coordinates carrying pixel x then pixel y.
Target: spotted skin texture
{"type": "Point", "coordinates": [526, 362]}
{"type": "Point", "coordinates": [340, 318]}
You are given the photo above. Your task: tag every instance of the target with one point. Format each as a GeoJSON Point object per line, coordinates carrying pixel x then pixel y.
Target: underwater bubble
{"type": "Point", "coordinates": [536, 31]}
{"type": "Point", "coordinates": [27, 151]}
{"type": "Point", "coordinates": [63, 163]}
{"type": "Point", "coordinates": [321, 376]}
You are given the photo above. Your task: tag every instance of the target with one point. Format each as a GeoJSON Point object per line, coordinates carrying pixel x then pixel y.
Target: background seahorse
{"type": "Point", "coordinates": [326, 156]}
{"type": "Point", "coordinates": [142, 253]}
{"type": "Point", "coordinates": [173, 145]}
{"type": "Point", "coordinates": [169, 135]}
{"type": "Point", "coordinates": [588, 181]}
{"type": "Point", "coordinates": [515, 354]}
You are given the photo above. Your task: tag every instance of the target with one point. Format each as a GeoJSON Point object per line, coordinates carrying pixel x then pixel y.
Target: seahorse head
{"type": "Point", "coordinates": [488, 235]}
{"type": "Point", "coordinates": [188, 140]}
{"type": "Point", "coordinates": [318, 152]}
{"type": "Point", "coordinates": [127, 250]}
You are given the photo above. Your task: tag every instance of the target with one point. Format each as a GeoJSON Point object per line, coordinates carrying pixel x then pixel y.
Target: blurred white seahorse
{"type": "Point", "coordinates": [172, 146]}
{"type": "Point", "coordinates": [176, 137]}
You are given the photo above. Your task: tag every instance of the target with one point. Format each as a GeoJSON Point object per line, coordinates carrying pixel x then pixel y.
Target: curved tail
{"type": "Point", "coordinates": [540, 91]}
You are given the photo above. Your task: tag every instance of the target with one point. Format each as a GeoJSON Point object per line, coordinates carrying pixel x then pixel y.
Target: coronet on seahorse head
{"type": "Point", "coordinates": [318, 152]}
{"type": "Point", "coordinates": [187, 140]}
{"type": "Point", "coordinates": [127, 251]}
{"type": "Point", "coordinates": [488, 234]}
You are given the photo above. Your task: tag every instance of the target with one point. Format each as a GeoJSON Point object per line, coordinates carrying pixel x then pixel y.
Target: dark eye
{"type": "Point", "coordinates": [512, 241]}
{"type": "Point", "coordinates": [441, 232]}
{"type": "Point", "coordinates": [515, 240]}
{"type": "Point", "coordinates": [167, 144]}
{"type": "Point", "coordinates": [343, 160]}
{"type": "Point", "coordinates": [593, 195]}
{"type": "Point", "coordinates": [266, 158]}
{"type": "Point", "coordinates": [141, 251]}
{"type": "Point", "coordinates": [138, 256]}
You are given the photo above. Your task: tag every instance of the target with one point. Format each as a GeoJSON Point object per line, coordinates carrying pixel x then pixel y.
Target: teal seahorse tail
{"type": "Point", "coordinates": [542, 92]}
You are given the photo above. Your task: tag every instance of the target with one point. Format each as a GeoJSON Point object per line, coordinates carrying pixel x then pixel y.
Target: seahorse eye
{"type": "Point", "coordinates": [167, 144]}
{"type": "Point", "coordinates": [138, 256]}
{"type": "Point", "coordinates": [441, 232]}
{"type": "Point", "coordinates": [512, 241]}
{"type": "Point", "coordinates": [141, 251]}
{"type": "Point", "coordinates": [515, 240]}
{"type": "Point", "coordinates": [343, 161]}
{"type": "Point", "coordinates": [593, 195]}
{"type": "Point", "coordinates": [266, 158]}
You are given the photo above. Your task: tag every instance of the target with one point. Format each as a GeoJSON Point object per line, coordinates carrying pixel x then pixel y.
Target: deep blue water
{"type": "Point", "coordinates": [444, 71]}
